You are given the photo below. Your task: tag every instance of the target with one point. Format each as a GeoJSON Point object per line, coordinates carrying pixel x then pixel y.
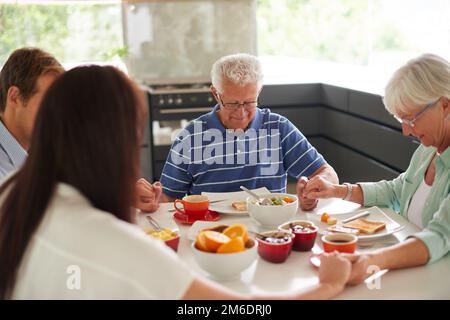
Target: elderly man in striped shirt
{"type": "Point", "coordinates": [238, 143]}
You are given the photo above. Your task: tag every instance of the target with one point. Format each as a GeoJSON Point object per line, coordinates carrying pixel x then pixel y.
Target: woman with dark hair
{"type": "Point", "coordinates": [66, 223]}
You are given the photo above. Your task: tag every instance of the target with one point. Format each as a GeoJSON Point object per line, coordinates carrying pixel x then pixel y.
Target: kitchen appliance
{"type": "Point", "coordinates": [171, 107]}
{"type": "Point", "coordinates": [177, 41]}
{"type": "Point", "coordinates": [171, 47]}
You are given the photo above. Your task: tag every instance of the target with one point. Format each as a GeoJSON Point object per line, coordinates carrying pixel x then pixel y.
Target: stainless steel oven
{"type": "Point", "coordinates": [171, 107]}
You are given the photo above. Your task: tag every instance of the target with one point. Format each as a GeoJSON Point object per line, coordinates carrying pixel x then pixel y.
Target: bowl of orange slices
{"type": "Point", "coordinates": [224, 251]}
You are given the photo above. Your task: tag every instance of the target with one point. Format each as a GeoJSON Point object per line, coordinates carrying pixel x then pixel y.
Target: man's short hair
{"type": "Point", "coordinates": [22, 69]}
{"type": "Point", "coordinates": [240, 68]}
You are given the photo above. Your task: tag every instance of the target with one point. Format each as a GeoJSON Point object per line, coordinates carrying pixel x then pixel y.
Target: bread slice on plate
{"type": "Point", "coordinates": [366, 226]}
{"type": "Point", "coordinates": [240, 205]}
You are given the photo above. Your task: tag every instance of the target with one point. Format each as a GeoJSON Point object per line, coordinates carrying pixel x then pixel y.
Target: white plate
{"type": "Point", "coordinates": [227, 208]}
{"type": "Point", "coordinates": [236, 195]}
{"type": "Point", "coordinates": [376, 214]}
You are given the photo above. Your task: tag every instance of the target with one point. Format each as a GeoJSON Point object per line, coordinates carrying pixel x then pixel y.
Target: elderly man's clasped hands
{"type": "Point", "coordinates": [309, 190]}
{"type": "Point", "coordinates": [302, 190]}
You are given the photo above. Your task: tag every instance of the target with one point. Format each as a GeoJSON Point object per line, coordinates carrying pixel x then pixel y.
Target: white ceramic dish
{"type": "Point", "coordinates": [271, 216]}
{"type": "Point", "coordinates": [376, 214]}
{"type": "Point", "coordinates": [238, 195]}
{"type": "Point", "coordinates": [200, 225]}
{"type": "Point", "coordinates": [225, 266]}
{"type": "Point", "coordinates": [226, 207]}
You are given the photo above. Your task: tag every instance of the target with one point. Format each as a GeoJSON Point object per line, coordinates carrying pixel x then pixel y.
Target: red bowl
{"type": "Point", "coordinates": [173, 243]}
{"type": "Point", "coordinates": [304, 240]}
{"type": "Point", "coordinates": [275, 252]}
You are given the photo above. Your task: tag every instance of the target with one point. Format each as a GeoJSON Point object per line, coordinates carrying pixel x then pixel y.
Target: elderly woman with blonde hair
{"type": "Point", "coordinates": [418, 96]}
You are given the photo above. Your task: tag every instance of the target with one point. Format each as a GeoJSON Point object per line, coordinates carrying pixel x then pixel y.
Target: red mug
{"type": "Point", "coordinates": [193, 205]}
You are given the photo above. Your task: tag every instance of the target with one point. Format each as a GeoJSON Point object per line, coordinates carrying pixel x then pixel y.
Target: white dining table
{"type": "Point", "coordinates": [425, 282]}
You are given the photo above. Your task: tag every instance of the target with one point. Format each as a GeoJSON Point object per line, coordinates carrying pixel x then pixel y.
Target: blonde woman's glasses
{"type": "Point", "coordinates": [411, 122]}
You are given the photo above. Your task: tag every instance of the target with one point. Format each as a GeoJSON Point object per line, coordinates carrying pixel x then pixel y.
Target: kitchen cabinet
{"type": "Point", "coordinates": [352, 129]}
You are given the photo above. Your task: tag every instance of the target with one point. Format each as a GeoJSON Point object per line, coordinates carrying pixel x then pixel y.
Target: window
{"type": "Point", "coordinates": [295, 38]}
{"type": "Point", "coordinates": [378, 35]}
{"type": "Point", "coordinates": [73, 31]}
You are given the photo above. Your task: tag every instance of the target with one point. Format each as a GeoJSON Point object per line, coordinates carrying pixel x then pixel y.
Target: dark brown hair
{"type": "Point", "coordinates": [87, 135]}
{"type": "Point", "coordinates": [22, 69]}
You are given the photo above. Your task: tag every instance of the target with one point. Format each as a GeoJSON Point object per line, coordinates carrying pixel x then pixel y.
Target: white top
{"type": "Point", "coordinates": [77, 245]}
{"type": "Point", "coordinates": [417, 204]}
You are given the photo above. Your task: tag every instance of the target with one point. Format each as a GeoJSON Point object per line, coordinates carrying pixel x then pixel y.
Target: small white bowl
{"type": "Point", "coordinates": [269, 216]}
{"type": "Point", "coordinates": [225, 266]}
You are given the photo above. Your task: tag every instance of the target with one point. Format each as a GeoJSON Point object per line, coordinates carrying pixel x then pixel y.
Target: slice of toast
{"type": "Point", "coordinates": [366, 226]}
{"type": "Point", "coordinates": [240, 205]}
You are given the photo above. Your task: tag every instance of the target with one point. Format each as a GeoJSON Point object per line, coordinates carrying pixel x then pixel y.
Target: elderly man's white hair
{"type": "Point", "coordinates": [420, 81]}
{"type": "Point", "coordinates": [239, 68]}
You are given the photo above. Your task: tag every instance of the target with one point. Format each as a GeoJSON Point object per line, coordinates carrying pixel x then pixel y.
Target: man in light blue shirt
{"type": "Point", "coordinates": [12, 154]}
{"type": "Point", "coordinates": [24, 79]}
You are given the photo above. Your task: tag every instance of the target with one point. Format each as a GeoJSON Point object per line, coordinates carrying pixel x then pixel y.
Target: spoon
{"type": "Point", "coordinates": [265, 237]}
{"type": "Point", "coordinates": [262, 201]}
{"type": "Point", "coordinates": [154, 223]}
{"type": "Point", "coordinates": [259, 235]}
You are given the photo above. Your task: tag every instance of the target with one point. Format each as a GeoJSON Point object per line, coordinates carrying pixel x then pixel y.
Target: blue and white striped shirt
{"type": "Point", "coordinates": [12, 155]}
{"type": "Point", "coordinates": [206, 156]}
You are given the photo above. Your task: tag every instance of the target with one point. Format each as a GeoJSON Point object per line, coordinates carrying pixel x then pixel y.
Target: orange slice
{"type": "Point", "coordinates": [236, 230]}
{"type": "Point", "coordinates": [324, 217]}
{"type": "Point", "coordinates": [200, 242]}
{"type": "Point", "coordinates": [214, 239]}
{"type": "Point", "coordinates": [234, 245]}
{"type": "Point", "coordinates": [288, 200]}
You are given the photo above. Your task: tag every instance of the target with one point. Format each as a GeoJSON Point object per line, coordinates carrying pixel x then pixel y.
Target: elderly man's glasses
{"type": "Point", "coordinates": [411, 122]}
{"type": "Point", "coordinates": [233, 106]}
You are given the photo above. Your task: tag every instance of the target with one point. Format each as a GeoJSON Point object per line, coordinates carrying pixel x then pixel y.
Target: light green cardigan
{"type": "Point", "coordinates": [396, 194]}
